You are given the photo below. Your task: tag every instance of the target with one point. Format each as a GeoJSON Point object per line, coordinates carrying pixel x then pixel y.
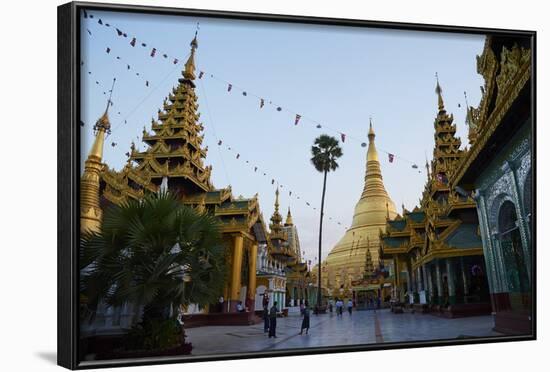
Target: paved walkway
{"type": "Point", "coordinates": [363, 327]}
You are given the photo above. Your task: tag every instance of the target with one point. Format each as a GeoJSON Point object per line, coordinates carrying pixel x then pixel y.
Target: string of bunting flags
{"type": "Point", "coordinates": [154, 51]}
{"type": "Point", "coordinates": [235, 153]}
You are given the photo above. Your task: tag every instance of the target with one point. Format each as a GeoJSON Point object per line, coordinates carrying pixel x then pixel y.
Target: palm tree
{"type": "Point", "coordinates": [325, 151]}
{"type": "Point", "coordinates": [153, 253]}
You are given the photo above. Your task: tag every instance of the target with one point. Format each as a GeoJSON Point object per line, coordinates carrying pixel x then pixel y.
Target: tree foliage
{"type": "Point", "coordinates": [154, 253]}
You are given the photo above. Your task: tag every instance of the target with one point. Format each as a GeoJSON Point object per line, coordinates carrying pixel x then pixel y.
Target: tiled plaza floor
{"type": "Point", "coordinates": [363, 327]}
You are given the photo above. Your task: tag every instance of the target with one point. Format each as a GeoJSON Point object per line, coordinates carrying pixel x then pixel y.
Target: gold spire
{"type": "Point", "coordinates": [102, 126]}
{"type": "Point", "coordinates": [276, 218]}
{"type": "Point", "coordinates": [438, 90]}
{"type": "Point", "coordinates": [288, 221]}
{"type": "Point", "coordinates": [369, 216]}
{"type": "Point", "coordinates": [90, 209]}
{"type": "Point", "coordinates": [189, 71]}
{"type": "Point", "coordinates": [373, 175]}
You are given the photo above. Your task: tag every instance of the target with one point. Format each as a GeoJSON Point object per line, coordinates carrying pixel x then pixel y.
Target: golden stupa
{"type": "Point", "coordinates": [346, 261]}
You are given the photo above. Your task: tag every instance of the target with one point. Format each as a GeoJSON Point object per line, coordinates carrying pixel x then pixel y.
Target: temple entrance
{"type": "Point", "coordinates": [513, 257]}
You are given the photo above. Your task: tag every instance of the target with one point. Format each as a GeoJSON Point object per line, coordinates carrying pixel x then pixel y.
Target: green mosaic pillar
{"type": "Point", "coordinates": [439, 284]}
{"type": "Point", "coordinates": [522, 223]}
{"type": "Point", "coordinates": [451, 281]}
{"type": "Point", "coordinates": [464, 279]}
{"type": "Point", "coordinates": [431, 292]}
{"type": "Point", "coordinates": [425, 283]}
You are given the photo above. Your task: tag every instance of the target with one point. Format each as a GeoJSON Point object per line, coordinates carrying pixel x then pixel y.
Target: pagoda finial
{"type": "Point", "coordinates": [103, 122]}
{"type": "Point", "coordinates": [102, 126]}
{"type": "Point", "coordinates": [438, 91]}
{"type": "Point", "coordinates": [472, 126]}
{"type": "Point", "coordinates": [371, 131]}
{"type": "Point", "coordinates": [277, 199]}
{"type": "Point", "coordinates": [276, 218]}
{"type": "Point", "coordinates": [189, 71]}
{"type": "Point", "coordinates": [289, 218]}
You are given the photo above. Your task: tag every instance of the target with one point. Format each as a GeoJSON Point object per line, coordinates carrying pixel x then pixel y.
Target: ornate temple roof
{"type": "Point", "coordinates": [175, 157]}
{"type": "Point", "coordinates": [505, 65]}
{"type": "Point", "coordinates": [433, 229]}
{"type": "Point", "coordinates": [175, 144]}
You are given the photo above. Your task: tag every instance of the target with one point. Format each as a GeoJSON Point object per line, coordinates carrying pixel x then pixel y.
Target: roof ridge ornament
{"type": "Point", "coordinates": [439, 92]}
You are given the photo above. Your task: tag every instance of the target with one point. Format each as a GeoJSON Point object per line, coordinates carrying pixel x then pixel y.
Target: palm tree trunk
{"type": "Point", "coordinates": [320, 241]}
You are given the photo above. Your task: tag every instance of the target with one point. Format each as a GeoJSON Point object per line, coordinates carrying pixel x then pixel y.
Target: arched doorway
{"type": "Point", "coordinates": [513, 256]}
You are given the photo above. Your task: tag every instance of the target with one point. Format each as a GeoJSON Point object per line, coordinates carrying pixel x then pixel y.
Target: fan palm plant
{"type": "Point", "coordinates": [153, 253]}
{"type": "Point", "coordinates": [325, 151]}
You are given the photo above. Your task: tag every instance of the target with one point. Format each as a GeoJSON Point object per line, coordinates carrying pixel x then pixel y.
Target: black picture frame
{"type": "Point", "coordinates": [68, 91]}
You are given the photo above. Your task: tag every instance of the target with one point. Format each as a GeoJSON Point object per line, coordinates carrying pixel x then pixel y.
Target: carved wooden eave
{"type": "Point", "coordinates": [508, 91]}
{"type": "Point", "coordinates": [456, 202]}
{"type": "Point", "coordinates": [443, 251]}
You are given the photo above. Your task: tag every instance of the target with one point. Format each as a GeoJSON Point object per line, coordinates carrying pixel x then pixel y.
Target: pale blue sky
{"type": "Point", "coordinates": [338, 76]}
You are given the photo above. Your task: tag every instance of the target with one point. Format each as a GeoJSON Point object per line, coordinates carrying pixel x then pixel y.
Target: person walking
{"type": "Point", "coordinates": [339, 307]}
{"type": "Point", "coordinates": [265, 315]}
{"type": "Point", "coordinates": [273, 320]}
{"type": "Point", "coordinates": [350, 306]}
{"type": "Point", "coordinates": [305, 321]}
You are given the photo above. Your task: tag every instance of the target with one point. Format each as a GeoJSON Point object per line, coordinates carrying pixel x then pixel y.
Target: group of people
{"type": "Point", "coordinates": [270, 319]}
{"type": "Point", "coordinates": [339, 304]}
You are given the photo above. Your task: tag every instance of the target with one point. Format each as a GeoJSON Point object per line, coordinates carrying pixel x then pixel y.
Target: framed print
{"type": "Point", "coordinates": [236, 185]}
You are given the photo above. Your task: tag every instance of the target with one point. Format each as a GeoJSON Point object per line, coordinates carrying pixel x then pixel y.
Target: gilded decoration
{"type": "Point", "coordinates": [370, 215]}
{"type": "Point", "coordinates": [510, 75]}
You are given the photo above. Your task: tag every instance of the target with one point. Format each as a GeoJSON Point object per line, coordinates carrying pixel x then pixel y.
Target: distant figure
{"type": "Point", "coordinates": [339, 307]}
{"type": "Point", "coordinates": [265, 315]}
{"type": "Point", "coordinates": [330, 305]}
{"type": "Point", "coordinates": [305, 321]}
{"type": "Point", "coordinates": [220, 302]}
{"type": "Point", "coordinates": [240, 307]}
{"type": "Point", "coordinates": [302, 307]}
{"type": "Point", "coordinates": [350, 306]}
{"type": "Point", "coordinates": [378, 301]}
{"type": "Point", "coordinates": [273, 320]}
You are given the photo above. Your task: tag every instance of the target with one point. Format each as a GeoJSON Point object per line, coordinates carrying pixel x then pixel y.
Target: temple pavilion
{"type": "Point", "coordinates": [497, 170]}
{"type": "Point", "coordinates": [174, 160]}
{"type": "Point", "coordinates": [436, 248]}
{"type": "Point", "coordinates": [281, 273]}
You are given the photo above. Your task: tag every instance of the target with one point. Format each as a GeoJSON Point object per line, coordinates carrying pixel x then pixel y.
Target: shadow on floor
{"type": "Point", "coordinates": [48, 356]}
